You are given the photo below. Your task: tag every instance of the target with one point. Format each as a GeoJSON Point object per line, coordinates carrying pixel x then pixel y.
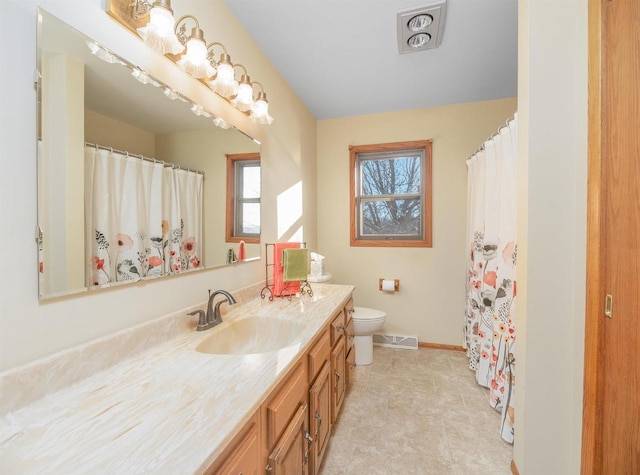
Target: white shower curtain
{"type": "Point", "coordinates": [143, 218]}
{"type": "Point", "coordinates": [491, 274]}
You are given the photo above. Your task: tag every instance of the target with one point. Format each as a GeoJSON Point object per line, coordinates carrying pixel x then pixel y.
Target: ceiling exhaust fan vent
{"type": "Point", "coordinates": [421, 28]}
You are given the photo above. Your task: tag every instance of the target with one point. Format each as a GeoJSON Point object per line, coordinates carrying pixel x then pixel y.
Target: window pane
{"type": "Point", "coordinates": [251, 182]}
{"type": "Point", "coordinates": [391, 217]}
{"type": "Point", "coordinates": [251, 218]}
{"type": "Point", "coordinates": [393, 176]}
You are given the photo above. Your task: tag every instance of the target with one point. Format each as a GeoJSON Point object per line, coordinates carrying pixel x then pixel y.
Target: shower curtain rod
{"type": "Point", "coordinates": [495, 134]}
{"type": "Point", "coordinates": [141, 157]}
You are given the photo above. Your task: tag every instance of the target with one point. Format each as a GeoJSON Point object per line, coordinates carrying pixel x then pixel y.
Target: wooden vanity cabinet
{"type": "Point", "coordinates": [290, 433]}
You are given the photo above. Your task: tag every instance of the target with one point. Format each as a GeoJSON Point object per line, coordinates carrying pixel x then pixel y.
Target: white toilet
{"type": "Point", "coordinates": [366, 321]}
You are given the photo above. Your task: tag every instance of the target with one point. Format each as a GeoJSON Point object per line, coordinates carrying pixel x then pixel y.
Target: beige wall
{"type": "Point", "coordinates": [103, 130]}
{"type": "Point", "coordinates": [552, 104]}
{"type": "Point", "coordinates": [430, 303]}
{"type": "Point", "coordinates": [31, 329]}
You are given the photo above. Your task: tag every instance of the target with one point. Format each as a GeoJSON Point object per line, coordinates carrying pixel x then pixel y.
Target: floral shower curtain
{"type": "Point", "coordinates": [143, 219]}
{"type": "Point", "coordinates": [491, 274]}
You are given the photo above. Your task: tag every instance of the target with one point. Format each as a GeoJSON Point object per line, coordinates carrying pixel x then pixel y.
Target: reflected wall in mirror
{"type": "Point", "coordinates": [86, 100]}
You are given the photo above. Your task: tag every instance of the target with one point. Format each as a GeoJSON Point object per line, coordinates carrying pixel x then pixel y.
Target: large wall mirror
{"type": "Point", "coordinates": [132, 180]}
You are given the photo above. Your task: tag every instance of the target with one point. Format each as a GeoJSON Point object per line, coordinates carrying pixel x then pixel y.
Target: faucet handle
{"type": "Point", "coordinates": [202, 319]}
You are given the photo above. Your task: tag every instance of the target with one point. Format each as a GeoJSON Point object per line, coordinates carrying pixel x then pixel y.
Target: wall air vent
{"type": "Point", "coordinates": [421, 28]}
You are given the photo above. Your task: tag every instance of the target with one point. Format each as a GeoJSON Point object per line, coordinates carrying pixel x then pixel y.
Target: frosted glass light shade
{"type": "Point", "coordinates": [158, 34]}
{"type": "Point", "coordinates": [260, 111]}
{"type": "Point", "coordinates": [244, 99]}
{"type": "Point", "coordinates": [102, 53]}
{"type": "Point", "coordinates": [225, 83]}
{"type": "Point", "coordinates": [199, 111]}
{"type": "Point", "coordinates": [143, 77]}
{"type": "Point", "coordinates": [195, 61]}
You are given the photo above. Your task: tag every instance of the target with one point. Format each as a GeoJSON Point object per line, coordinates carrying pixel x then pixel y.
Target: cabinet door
{"type": "Point", "coordinates": [245, 457]}
{"type": "Point", "coordinates": [338, 378]}
{"type": "Point", "coordinates": [351, 365]}
{"type": "Point", "coordinates": [242, 455]}
{"type": "Point", "coordinates": [320, 415]}
{"type": "Point", "coordinates": [291, 454]}
{"type": "Point", "coordinates": [349, 335]}
{"type": "Point", "coordinates": [348, 310]}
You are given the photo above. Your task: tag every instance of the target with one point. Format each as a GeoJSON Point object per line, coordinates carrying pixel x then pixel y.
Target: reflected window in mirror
{"type": "Point", "coordinates": [243, 197]}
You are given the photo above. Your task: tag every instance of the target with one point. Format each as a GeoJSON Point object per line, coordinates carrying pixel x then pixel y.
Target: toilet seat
{"type": "Point", "coordinates": [364, 313]}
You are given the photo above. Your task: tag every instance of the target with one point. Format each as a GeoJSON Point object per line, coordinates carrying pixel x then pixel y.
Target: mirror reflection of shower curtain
{"type": "Point", "coordinates": [143, 219]}
{"type": "Point", "coordinates": [491, 273]}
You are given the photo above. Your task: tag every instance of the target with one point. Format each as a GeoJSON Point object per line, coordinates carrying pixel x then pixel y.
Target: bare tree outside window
{"type": "Point", "coordinates": [391, 194]}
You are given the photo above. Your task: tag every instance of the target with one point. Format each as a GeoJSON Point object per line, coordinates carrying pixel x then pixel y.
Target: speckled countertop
{"type": "Point", "coordinates": [168, 409]}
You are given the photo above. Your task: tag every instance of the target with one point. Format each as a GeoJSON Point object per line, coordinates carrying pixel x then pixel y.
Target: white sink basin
{"type": "Point", "coordinates": [251, 335]}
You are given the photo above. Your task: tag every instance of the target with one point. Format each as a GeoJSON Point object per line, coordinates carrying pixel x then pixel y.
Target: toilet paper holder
{"type": "Point", "coordinates": [396, 285]}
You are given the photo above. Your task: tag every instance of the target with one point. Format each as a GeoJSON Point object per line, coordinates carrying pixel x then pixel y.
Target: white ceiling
{"type": "Point", "coordinates": [341, 56]}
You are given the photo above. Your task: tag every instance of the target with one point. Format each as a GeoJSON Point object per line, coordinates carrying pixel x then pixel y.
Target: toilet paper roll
{"type": "Point", "coordinates": [388, 285]}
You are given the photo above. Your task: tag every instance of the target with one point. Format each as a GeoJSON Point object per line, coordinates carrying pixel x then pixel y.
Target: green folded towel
{"type": "Point", "coordinates": [296, 264]}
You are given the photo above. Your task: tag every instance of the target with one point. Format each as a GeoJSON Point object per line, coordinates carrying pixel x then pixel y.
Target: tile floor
{"type": "Point", "coordinates": [417, 412]}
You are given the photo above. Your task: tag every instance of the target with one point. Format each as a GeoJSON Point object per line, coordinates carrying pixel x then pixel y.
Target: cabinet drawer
{"type": "Point", "coordinates": [242, 454]}
{"type": "Point", "coordinates": [285, 400]}
{"type": "Point", "coordinates": [337, 327]}
{"type": "Point", "coordinates": [351, 366]}
{"type": "Point", "coordinates": [319, 354]}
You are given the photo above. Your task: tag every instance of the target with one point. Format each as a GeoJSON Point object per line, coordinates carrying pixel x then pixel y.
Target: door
{"type": "Point", "coordinates": [611, 428]}
{"type": "Point", "coordinates": [291, 454]}
{"type": "Point", "coordinates": [339, 375]}
{"type": "Point", "coordinates": [320, 415]}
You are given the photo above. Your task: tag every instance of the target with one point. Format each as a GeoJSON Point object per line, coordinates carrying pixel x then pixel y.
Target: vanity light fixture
{"type": "Point", "coordinates": [164, 35]}
{"type": "Point", "coordinates": [260, 110]}
{"type": "Point", "coordinates": [194, 61]}
{"type": "Point", "coordinates": [158, 34]}
{"type": "Point", "coordinates": [244, 97]}
{"type": "Point", "coordinates": [224, 82]}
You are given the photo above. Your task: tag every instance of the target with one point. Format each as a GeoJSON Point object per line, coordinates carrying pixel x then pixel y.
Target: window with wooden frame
{"type": "Point", "coordinates": [390, 189]}
{"type": "Point", "coordinates": [243, 198]}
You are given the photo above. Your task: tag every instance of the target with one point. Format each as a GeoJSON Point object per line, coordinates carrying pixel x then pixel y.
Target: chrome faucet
{"type": "Point", "coordinates": [212, 317]}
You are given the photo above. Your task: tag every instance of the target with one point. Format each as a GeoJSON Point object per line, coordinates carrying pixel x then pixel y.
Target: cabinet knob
{"type": "Point", "coordinates": [269, 469]}
{"type": "Point", "coordinates": [341, 327]}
